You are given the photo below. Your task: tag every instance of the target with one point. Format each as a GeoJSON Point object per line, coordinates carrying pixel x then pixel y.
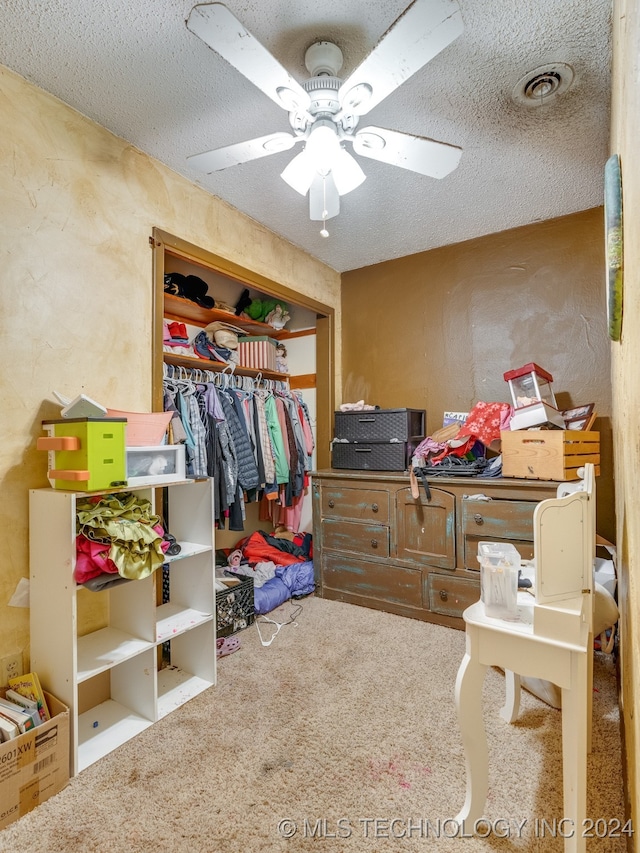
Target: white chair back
{"type": "Point", "coordinates": [564, 535]}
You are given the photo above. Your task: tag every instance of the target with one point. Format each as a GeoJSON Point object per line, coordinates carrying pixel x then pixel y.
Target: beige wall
{"type": "Point", "coordinates": [456, 318]}
{"type": "Point", "coordinates": [78, 206]}
{"type": "Point", "coordinates": [625, 358]}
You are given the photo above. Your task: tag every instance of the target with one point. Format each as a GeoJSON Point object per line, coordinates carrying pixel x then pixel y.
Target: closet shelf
{"type": "Point", "coordinates": [218, 367]}
{"type": "Point", "coordinates": [178, 308]}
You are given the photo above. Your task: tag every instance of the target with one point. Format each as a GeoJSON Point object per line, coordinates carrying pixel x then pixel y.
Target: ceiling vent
{"type": "Point", "coordinates": [542, 85]}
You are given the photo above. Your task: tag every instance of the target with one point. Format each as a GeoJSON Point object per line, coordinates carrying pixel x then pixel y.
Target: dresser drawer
{"type": "Point", "coordinates": [369, 539]}
{"type": "Point", "coordinates": [380, 582]}
{"type": "Point", "coordinates": [498, 519]}
{"type": "Point", "coordinates": [380, 425]}
{"type": "Point", "coordinates": [355, 504]}
{"type": "Point", "coordinates": [450, 596]}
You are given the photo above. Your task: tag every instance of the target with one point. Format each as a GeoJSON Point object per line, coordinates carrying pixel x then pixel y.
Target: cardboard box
{"type": "Point", "coordinates": [35, 765]}
{"type": "Point", "coordinates": [548, 454]}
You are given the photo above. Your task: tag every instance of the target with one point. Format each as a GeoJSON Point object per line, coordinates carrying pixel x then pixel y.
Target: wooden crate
{"type": "Point", "coordinates": [554, 454]}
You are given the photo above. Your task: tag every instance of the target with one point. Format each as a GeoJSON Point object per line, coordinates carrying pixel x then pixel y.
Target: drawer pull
{"type": "Point", "coordinates": [374, 543]}
{"type": "Point", "coordinates": [374, 507]}
{"type": "Point", "coordinates": [478, 518]}
{"type": "Point", "coordinates": [363, 449]}
{"type": "Point", "coordinates": [331, 504]}
{"type": "Point", "coordinates": [366, 420]}
{"type": "Point", "coordinates": [444, 594]}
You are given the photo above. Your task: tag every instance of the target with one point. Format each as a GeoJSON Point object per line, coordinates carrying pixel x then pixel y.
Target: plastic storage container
{"type": "Point", "coordinates": [85, 454]}
{"type": "Point", "coordinates": [499, 564]}
{"type": "Point", "coordinates": [380, 425]}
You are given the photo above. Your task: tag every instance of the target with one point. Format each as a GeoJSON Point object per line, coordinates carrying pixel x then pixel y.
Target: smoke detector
{"type": "Point", "coordinates": [542, 85]}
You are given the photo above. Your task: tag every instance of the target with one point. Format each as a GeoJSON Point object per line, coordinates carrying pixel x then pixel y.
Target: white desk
{"type": "Point", "coordinates": [514, 646]}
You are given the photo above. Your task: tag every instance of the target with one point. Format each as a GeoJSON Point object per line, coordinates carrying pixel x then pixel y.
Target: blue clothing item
{"type": "Point", "coordinates": [296, 579]}
{"type": "Point", "coordinates": [247, 467]}
{"type": "Point", "coordinates": [189, 444]}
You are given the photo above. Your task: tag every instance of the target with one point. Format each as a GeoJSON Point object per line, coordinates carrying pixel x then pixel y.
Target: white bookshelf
{"type": "Point", "coordinates": [111, 677]}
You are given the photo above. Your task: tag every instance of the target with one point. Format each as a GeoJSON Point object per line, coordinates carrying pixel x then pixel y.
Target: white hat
{"type": "Point", "coordinates": [223, 334]}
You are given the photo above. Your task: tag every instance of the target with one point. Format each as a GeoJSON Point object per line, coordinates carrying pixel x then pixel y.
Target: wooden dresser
{"type": "Point", "coordinates": [374, 545]}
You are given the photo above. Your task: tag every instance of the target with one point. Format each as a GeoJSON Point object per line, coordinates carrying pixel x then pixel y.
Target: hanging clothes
{"type": "Point", "coordinates": [252, 437]}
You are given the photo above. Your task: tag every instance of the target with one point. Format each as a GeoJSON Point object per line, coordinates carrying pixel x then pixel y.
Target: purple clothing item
{"type": "Point", "coordinates": [426, 447]}
{"type": "Point", "coordinates": [294, 579]}
{"type": "Point", "coordinates": [213, 405]}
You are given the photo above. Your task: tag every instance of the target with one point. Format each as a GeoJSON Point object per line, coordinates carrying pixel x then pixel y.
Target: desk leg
{"type": "Point", "coordinates": [511, 708]}
{"type": "Point", "coordinates": [468, 696]}
{"type": "Point", "coordinates": [576, 706]}
{"type": "Point", "coordinates": [589, 691]}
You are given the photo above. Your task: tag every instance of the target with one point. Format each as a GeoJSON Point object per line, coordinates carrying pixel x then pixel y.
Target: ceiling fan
{"type": "Point", "coordinates": [324, 111]}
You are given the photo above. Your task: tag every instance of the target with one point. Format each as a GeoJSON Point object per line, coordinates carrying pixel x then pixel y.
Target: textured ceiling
{"type": "Point", "coordinates": [135, 69]}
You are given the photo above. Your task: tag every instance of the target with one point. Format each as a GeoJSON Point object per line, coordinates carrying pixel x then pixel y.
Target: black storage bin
{"type": "Point", "coordinates": [374, 456]}
{"type": "Point", "coordinates": [234, 606]}
{"type": "Point", "coordinates": [380, 425]}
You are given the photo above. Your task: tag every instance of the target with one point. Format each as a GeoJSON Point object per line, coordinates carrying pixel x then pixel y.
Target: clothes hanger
{"type": "Point", "coordinates": [266, 620]}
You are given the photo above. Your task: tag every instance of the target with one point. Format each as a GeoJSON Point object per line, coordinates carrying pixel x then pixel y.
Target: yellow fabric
{"type": "Point", "coordinates": [124, 520]}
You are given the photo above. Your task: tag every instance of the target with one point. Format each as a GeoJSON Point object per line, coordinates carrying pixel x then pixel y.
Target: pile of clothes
{"type": "Point", "coordinates": [117, 539]}
{"type": "Point", "coordinates": [461, 449]}
{"type": "Point", "coordinates": [281, 567]}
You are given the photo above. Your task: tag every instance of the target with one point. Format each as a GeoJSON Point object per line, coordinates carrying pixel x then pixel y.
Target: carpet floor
{"type": "Point", "coordinates": [340, 736]}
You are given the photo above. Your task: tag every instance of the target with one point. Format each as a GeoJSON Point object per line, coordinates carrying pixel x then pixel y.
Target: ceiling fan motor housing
{"type": "Point", "coordinates": [323, 92]}
{"type": "Point", "coordinates": [323, 58]}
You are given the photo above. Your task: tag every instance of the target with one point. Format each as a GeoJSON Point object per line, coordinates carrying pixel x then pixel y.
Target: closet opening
{"type": "Point", "coordinates": [308, 336]}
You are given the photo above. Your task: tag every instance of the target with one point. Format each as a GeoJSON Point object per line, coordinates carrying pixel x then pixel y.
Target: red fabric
{"type": "Point", "coordinates": [257, 550]}
{"type": "Point", "coordinates": [454, 451]}
{"type": "Point", "coordinates": [298, 540]}
{"type": "Point", "coordinates": [92, 559]}
{"type": "Point", "coordinates": [485, 420]}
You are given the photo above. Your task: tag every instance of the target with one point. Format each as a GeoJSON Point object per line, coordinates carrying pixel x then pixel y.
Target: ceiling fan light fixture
{"type": "Point", "coordinates": [299, 173]}
{"type": "Point", "coordinates": [346, 172]}
{"type": "Point", "coordinates": [323, 146]}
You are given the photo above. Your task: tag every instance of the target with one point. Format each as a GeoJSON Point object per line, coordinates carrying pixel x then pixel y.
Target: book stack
{"type": "Point", "coordinates": [257, 351]}
{"type": "Point", "coordinates": [23, 707]}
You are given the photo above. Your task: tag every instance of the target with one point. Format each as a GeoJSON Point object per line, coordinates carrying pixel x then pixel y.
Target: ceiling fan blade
{"type": "Point", "coordinates": [223, 32]}
{"type": "Point", "coordinates": [416, 153]}
{"type": "Point", "coordinates": [242, 152]}
{"type": "Point", "coordinates": [324, 198]}
{"type": "Point", "coordinates": [419, 34]}
{"type": "Point", "coordinates": [346, 172]}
